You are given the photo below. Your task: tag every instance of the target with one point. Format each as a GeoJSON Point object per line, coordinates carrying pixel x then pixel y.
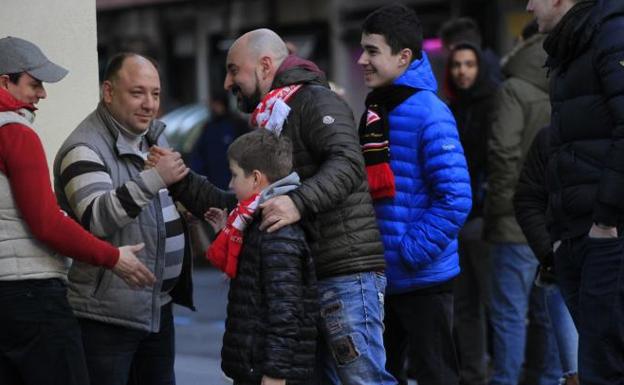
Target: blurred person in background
{"type": "Point", "coordinates": [531, 207]}
{"type": "Point", "coordinates": [209, 155]}
{"type": "Point", "coordinates": [471, 99]}
{"type": "Point", "coordinates": [466, 30]}
{"type": "Point", "coordinates": [522, 108]}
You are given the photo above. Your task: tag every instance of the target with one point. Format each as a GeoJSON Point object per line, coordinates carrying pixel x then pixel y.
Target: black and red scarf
{"type": "Point", "coordinates": [375, 137]}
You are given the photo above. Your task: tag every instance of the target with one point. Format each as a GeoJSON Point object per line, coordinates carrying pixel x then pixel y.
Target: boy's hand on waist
{"type": "Point", "coordinates": [278, 212]}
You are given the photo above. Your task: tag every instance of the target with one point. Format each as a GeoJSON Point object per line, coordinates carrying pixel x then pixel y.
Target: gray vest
{"type": "Point", "coordinates": [21, 255]}
{"type": "Point", "coordinates": [97, 293]}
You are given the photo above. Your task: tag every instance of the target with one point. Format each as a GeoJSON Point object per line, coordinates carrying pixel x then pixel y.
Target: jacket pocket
{"type": "Point", "coordinates": [102, 282]}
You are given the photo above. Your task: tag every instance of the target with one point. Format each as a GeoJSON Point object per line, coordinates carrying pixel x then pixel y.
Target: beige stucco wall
{"type": "Point", "coordinates": [66, 32]}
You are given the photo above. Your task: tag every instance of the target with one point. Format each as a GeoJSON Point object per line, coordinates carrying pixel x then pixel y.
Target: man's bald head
{"type": "Point", "coordinates": [131, 91]}
{"type": "Point", "coordinates": [262, 42]}
{"type": "Point", "coordinates": [252, 64]}
{"type": "Point", "coordinates": [116, 63]}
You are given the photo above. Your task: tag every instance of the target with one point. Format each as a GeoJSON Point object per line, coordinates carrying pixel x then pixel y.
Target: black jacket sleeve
{"type": "Point", "coordinates": [609, 49]}
{"type": "Point", "coordinates": [282, 253]}
{"type": "Point", "coordinates": [197, 194]}
{"type": "Point", "coordinates": [329, 132]}
{"type": "Point", "coordinates": [531, 199]}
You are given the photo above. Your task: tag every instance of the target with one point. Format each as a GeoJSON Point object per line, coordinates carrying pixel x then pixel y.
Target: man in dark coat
{"type": "Point", "coordinates": [585, 173]}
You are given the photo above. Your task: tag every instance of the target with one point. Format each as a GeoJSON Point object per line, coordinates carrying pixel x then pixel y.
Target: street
{"type": "Point", "coordinates": [198, 334]}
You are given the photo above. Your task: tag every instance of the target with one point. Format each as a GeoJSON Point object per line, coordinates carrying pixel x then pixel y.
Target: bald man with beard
{"type": "Point", "coordinates": [291, 97]}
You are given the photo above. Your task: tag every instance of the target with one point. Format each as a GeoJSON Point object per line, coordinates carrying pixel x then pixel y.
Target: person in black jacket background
{"type": "Point", "coordinates": [530, 204]}
{"type": "Point", "coordinates": [585, 173]}
{"type": "Point", "coordinates": [471, 99]}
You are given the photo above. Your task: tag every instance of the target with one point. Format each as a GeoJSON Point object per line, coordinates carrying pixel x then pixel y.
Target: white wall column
{"type": "Point", "coordinates": [66, 32]}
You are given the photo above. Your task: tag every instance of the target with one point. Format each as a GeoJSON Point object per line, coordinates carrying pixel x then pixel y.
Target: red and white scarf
{"type": "Point", "coordinates": [224, 251]}
{"type": "Point", "coordinates": [272, 111]}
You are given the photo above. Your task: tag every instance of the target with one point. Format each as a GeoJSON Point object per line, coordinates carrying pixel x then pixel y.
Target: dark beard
{"type": "Point", "coordinates": [247, 104]}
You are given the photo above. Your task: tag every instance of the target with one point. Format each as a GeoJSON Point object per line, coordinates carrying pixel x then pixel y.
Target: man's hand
{"type": "Point", "coordinates": [217, 218]}
{"type": "Point", "coordinates": [155, 153]}
{"type": "Point", "coordinates": [278, 212]}
{"type": "Point", "coordinates": [266, 380]}
{"type": "Point", "coordinates": [168, 164]}
{"type": "Point", "coordinates": [600, 231]}
{"type": "Point", "coordinates": [131, 270]}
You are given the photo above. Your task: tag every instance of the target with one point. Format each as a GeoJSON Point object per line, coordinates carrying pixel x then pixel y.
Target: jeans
{"type": "Point", "coordinates": [542, 363]}
{"type": "Point", "coordinates": [419, 326]}
{"type": "Point", "coordinates": [472, 293]}
{"type": "Point", "coordinates": [351, 350]}
{"type": "Point", "coordinates": [40, 340]}
{"type": "Point", "coordinates": [563, 328]}
{"type": "Point", "coordinates": [513, 271]}
{"type": "Point", "coordinates": [590, 273]}
{"type": "Point", "coordinates": [119, 355]}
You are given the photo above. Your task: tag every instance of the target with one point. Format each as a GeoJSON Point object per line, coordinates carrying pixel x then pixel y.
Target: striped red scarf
{"type": "Point", "coordinates": [224, 251]}
{"type": "Point", "coordinates": [272, 111]}
{"type": "Point", "coordinates": [375, 137]}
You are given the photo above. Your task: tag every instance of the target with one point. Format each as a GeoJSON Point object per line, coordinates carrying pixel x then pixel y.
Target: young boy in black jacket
{"type": "Point", "coordinates": [270, 330]}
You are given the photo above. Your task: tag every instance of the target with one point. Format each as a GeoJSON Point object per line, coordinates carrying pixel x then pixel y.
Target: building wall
{"type": "Point", "coordinates": [66, 32]}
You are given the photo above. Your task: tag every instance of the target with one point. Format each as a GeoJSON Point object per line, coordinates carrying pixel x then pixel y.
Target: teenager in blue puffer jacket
{"type": "Point", "coordinates": [421, 188]}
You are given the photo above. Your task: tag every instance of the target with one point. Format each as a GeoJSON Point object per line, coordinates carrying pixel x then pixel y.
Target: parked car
{"type": "Point", "coordinates": [184, 126]}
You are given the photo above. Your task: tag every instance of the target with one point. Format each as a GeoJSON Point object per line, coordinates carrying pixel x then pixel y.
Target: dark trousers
{"type": "Point", "coordinates": [590, 273]}
{"type": "Point", "coordinates": [39, 336]}
{"type": "Point", "coordinates": [118, 355]}
{"type": "Point", "coordinates": [419, 325]}
{"type": "Point", "coordinates": [472, 293]}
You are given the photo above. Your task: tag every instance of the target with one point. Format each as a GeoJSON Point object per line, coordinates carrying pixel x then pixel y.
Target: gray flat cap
{"type": "Point", "coordinates": [19, 55]}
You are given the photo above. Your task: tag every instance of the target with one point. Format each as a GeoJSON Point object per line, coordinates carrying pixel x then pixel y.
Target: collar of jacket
{"type": "Point", "coordinates": [9, 103]}
{"type": "Point", "coordinates": [572, 35]}
{"type": "Point", "coordinates": [121, 145]}
{"type": "Point", "coordinates": [295, 70]}
{"type": "Point", "coordinates": [280, 187]}
{"type": "Point", "coordinates": [419, 75]}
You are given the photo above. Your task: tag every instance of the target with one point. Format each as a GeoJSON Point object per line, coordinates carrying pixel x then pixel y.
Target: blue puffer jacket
{"type": "Point", "coordinates": [419, 225]}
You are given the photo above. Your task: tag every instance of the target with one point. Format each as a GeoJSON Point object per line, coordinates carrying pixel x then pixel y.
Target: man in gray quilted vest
{"type": "Point", "coordinates": [101, 181]}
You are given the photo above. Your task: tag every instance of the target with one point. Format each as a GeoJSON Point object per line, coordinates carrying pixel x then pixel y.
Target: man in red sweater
{"type": "Point", "coordinates": [40, 342]}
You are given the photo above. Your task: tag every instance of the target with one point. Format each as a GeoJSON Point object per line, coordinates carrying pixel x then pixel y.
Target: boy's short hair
{"type": "Point", "coordinates": [399, 25]}
{"type": "Point", "coordinates": [462, 29]}
{"type": "Point", "coordinates": [264, 151]}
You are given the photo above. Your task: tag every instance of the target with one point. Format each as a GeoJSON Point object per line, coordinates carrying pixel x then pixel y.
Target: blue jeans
{"type": "Point", "coordinates": [513, 271]}
{"type": "Point", "coordinates": [564, 329]}
{"type": "Point", "coordinates": [351, 350]}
